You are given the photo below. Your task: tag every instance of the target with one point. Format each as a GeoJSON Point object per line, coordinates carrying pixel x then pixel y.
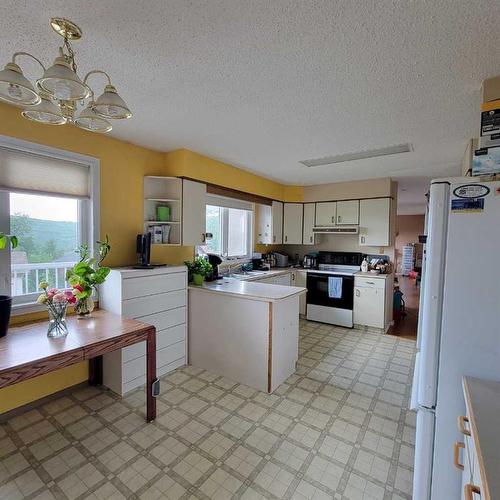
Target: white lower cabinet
{"type": "Point", "coordinates": [281, 279]}
{"type": "Point", "coordinates": [373, 301]}
{"type": "Point", "coordinates": [299, 278]}
{"type": "Point", "coordinates": [158, 297]}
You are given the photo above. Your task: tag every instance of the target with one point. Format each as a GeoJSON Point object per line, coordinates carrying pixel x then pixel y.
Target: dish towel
{"type": "Point", "coordinates": [334, 287]}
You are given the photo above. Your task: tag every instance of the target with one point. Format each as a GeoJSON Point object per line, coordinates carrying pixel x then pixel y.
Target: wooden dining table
{"type": "Point", "coordinates": [27, 352]}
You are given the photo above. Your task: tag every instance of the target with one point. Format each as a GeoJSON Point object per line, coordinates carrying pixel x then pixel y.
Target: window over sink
{"type": "Point", "coordinates": [231, 230]}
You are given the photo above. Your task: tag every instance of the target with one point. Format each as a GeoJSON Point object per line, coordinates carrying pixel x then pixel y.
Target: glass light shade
{"type": "Point", "coordinates": [46, 112]}
{"type": "Point", "coordinates": [15, 88]}
{"type": "Point", "coordinates": [61, 82]}
{"type": "Point", "coordinates": [91, 121]}
{"type": "Point", "coordinates": [111, 105]}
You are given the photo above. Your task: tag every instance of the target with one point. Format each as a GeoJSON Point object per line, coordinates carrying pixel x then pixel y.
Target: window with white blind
{"type": "Point", "coordinates": [46, 200]}
{"type": "Point", "coordinates": [230, 223]}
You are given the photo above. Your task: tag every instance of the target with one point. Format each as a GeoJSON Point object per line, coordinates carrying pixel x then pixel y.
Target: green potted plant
{"type": "Point", "coordinates": [198, 269]}
{"type": "Point", "coordinates": [84, 277]}
{"type": "Point", "coordinates": [6, 300]}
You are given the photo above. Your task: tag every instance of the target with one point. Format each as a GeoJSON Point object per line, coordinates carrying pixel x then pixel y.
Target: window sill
{"type": "Point", "coordinates": [28, 308]}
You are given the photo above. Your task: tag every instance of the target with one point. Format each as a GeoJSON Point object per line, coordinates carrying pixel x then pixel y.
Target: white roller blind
{"type": "Point", "coordinates": [31, 173]}
{"type": "Point", "coordinates": [222, 201]}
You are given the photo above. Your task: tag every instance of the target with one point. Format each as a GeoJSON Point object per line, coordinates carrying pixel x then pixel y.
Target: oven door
{"type": "Point", "coordinates": [319, 293]}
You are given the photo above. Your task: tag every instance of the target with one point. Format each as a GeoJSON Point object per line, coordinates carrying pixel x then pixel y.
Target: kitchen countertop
{"type": "Point", "coordinates": [258, 275]}
{"type": "Point", "coordinates": [246, 289]}
{"type": "Point", "coordinates": [483, 403]}
{"type": "Point", "coordinates": [372, 275]}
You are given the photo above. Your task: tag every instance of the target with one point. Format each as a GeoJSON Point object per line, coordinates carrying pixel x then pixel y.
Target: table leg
{"type": "Point", "coordinates": [95, 371]}
{"type": "Point", "coordinates": [150, 375]}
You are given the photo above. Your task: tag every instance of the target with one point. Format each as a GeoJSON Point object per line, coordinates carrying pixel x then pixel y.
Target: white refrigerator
{"type": "Point", "coordinates": [459, 323]}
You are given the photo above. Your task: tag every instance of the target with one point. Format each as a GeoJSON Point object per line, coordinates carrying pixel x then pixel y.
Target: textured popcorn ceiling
{"type": "Point", "coordinates": [264, 84]}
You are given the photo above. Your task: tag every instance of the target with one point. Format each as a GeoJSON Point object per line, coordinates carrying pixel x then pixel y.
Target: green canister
{"type": "Point", "coordinates": [162, 213]}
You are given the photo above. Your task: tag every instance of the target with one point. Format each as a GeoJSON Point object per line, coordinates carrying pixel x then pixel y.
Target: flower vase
{"type": "Point", "coordinates": [57, 320]}
{"type": "Point", "coordinates": [84, 307]}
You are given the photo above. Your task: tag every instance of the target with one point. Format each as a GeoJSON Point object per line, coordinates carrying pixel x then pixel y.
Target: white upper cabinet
{"type": "Point", "coordinates": [277, 222]}
{"type": "Point", "coordinates": [326, 213]}
{"type": "Point", "coordinates": [263, 224]}
{"type": "Point", "coordinates": [374, 222]}
{"type": "Point", "coordinates": [309, 215]}
{"type": "Point", "coordinates": [347, 212]}
{"type": "Point", "coordinates": [292, 223]}
{"type": "Point", "coordinates": [193, 212]}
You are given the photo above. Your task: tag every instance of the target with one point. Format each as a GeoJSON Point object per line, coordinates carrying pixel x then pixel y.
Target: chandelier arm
{"type": "Point", "coordinates": [97, 71]}
{"type": "Point", "coordinates": [17, 54]}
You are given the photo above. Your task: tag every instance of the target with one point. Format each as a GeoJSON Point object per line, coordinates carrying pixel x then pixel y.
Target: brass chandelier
{"type": "Point", "coordinates": [59, 93]}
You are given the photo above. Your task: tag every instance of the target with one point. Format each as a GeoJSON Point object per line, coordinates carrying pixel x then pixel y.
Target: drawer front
{"type": "Point", "coordinates": [134, 351]}
{"type": "Point", "coordinates": [170, 354]}
{"type": "Point", "coordinates": [166, 319]}
{"type": "Point", "coordinates": [164, 338]}
{"type": "Point", "coordinates": [142, 306]}
{"type": "Point", "coordinates": [170, 336]}
{"type": "Point", "coordinates": [137, 367]}
{"type": "Point", "coordinates": [369, 282]}
{"type": "Point", "coordinates": [133, 369]}
{"type": "Point", "coordinates": [151, 285]}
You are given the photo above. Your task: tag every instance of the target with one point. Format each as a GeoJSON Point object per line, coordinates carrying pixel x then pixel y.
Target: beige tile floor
{"type": "Point", "coordinates": [339, 428]}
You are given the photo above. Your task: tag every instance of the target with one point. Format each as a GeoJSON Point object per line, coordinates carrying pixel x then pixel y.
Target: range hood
{"type": "Point", "coordinates": [336, 230]}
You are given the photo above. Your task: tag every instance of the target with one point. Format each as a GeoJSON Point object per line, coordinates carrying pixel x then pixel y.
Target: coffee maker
{"type": "Point", "coordinates": [214, 260]}
{"type": "Point", "coordinates": [143, 249]}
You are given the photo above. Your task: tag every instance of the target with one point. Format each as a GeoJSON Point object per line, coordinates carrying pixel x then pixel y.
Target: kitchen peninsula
{"type": "Point", "coordinates": [245, 331]}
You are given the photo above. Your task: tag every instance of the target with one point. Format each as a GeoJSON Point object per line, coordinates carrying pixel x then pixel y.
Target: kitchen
{"type": "Point", "coordinates": [232, 176]}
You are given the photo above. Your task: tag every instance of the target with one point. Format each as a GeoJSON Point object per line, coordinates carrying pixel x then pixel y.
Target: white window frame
{"type": "Point", "coordinates": [225, 230]}
{"type": "Point", "coordinates": [88, 212]}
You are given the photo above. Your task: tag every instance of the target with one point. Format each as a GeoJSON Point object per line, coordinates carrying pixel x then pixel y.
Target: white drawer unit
{"type": "Point", "coordinates": [373, 301]}
{"type": "Point", "coordinates": [154, 296]}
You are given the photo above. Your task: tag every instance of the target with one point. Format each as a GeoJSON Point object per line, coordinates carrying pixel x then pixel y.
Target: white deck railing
{"type": "Point", "coordinates": [26, 277]}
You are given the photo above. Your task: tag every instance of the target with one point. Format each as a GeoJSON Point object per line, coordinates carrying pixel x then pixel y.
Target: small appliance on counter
{"type": "Point", "coordinates": [281, 259]}
{"type": "Point", "coordinates": [143, 249]}
{"type": "Point", "coordinates": [309, 262]}
{"type": "Point", "coordinates": [214, 260]}
{"type": "Point", "coordinates": [258, 262]}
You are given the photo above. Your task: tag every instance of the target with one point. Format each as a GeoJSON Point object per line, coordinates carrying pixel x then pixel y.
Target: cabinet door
{"type": "Point", "coordinates": [301, 280]}
{"type": "Point", "coordinates": [263, 224]}
{"type": "Point", "coordinates": [326, 213]}
{"type": "Point", "coordinates": [368, 307]}
{"type": "Point", "coordinates": [292, 223]}
{"type": "Point", "coordinates": [374, 222]}
{"type": "Point", "coordinates": [277, 216]}
{"type": "Point", "coordinates": [347, 212]}
{"type": "Point", "coordinates": [193, 212]}
{"type": "Point", "coordinates": [284, 279]}
{"type": "Point", "coordinates": [309, 215]}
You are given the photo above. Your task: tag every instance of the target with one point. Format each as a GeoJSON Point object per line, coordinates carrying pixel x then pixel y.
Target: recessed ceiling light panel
{"type": "Point", "coordinates": [360, 155]}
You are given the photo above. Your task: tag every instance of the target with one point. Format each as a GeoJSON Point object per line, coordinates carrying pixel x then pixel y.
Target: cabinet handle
{"type": "Point", "coordinates": [286, 238]}
{"type": "Point", "coordinates": [469, 489]}
{"type": "Point", "coordinates": [274, 238]}
{"type": "Point", "coordinates": [333, 220]}
{"type": "Point", "coordinates": [461, 425]}
{"type": "Point", "coordinates": [358, 293]}
{"type": "Point", "coordinates": [339, 218]}
{"type": "Point", "coordinates": [311, 239]}
{"type": "Point", "coordinates": [456, 454]}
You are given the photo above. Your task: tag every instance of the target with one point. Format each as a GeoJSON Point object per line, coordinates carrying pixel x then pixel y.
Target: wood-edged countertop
{"type": "Point", "coordinates": [249, 290]}
{"type": "Point", "coordinates": [483, 402]}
